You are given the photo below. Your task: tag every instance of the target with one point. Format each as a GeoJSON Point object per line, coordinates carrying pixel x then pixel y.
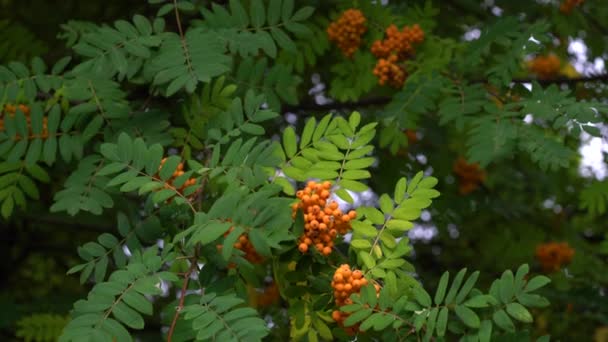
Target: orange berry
{"type": "Point", "coordinates": [303, 247]}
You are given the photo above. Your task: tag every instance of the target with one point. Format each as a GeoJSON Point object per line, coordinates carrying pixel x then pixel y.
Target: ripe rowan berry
{"type": "Point", "coordinates": [396, 47]}
{"type": "Point", "coordinates": [244, 244]}
{"type": "Point", "coordinates": [11, 110]}
{"type": "Point", "coordinates": [469, 175]}
{"type": "Point", "coordinates": [323, 220]}
{"type": "Point", "coordinates": [177, 173]}
{"type": "Point", "coordinates": [389, 72]}
{"type": "Point", "coordinates": [545, 67]}
{"type": "Point", "coordinates": [553, 255]}
{"type": "Point", "coordinates": [347, 30]}
{"type": "Point", "coordinates": [266, 296]}
{"type": "Point", "coordinates": [568, 5]}
{"type": "Point", "coordinates": [345, 282]}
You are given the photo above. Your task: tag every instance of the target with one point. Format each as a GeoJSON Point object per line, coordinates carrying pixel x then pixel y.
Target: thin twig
{"type": "Point", "coordinates": [182, 296]}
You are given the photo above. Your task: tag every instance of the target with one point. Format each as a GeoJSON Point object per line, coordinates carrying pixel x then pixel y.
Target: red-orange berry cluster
{"type": "Point", "coordinates": [347, 30]}
{"type": "Point", "coordinates": [243, 244]}
{"type": "Point", "coordinates": [346, 282]}
{"type": "Point", "coordinates": [412, 137]}
{"type": "Point", "coordinates": [268, 296]}
{"type": "Point", "coordinates": [545, 66]}
{"type": "Point", "coordinates": [177, 173]}
{"type": "Point", "coordinates": [396, 47]}
{"type": "Point", "coordinates": [390, 72]}
{"type": "Point", "coordinates": [398, 42]}
{"type": "Point", "coordinates": [11, 110]}
{"type": "Point", "coordinates": [470, 175]}
{"type": "Point", "coordinates": [552, 255]}
{"type": "Point", "coordinates": [568, 5]}
{"type": "Point", "coordinates": [323, 220]}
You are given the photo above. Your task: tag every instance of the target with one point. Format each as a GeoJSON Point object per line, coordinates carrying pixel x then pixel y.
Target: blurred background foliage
{"type": "Point", "coordinates": [498, 226]}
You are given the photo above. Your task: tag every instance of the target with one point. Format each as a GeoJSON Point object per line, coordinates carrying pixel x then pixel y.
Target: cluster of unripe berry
{"type": "Point", "coordinates": [469, 175]}
{"type": "Point", "coordinates": [552, 255]}
{"type": "Point", "coordinates": [346, 282]}
{"type": "Point", "coordinates": [323, 220]}
{"type": "Point", "coordinates": [11, 110]}
{"type": "Point", "coordinates": [179, 171]}
{"type": "Point", "coordinates": [244, 244]}
{"type": "Point", "coordinates": [347, 30]}
{"type": "Point", "coordinates": [545, 66]}
{"type": "Point", "coordinates": [568, 5]}
{"type": "Point", "coordinates": [394, 49]}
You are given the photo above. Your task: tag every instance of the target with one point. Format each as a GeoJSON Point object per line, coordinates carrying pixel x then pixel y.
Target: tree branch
{"type": "Point", "coordinates": [182, 296]}
{"type": "Point", "coordinates": [382, 100]}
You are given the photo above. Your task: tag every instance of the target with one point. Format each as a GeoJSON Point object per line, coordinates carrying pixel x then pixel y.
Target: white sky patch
{"type": "Point", "coordinates": [528, 119]}
{"type": "Point", "coordinates": [291, 118]}
{"type": "Point", "coordinates": [592, 150]}
{"type": "Point", "coordinates": [472, 34]}
{"type": "Point", "coordinates": [424, 233]}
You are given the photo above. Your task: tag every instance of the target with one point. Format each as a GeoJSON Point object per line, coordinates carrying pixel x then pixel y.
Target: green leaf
{"type": "Point", "coordinates": [307, 133]}
{"type": "Point", "coordinates": [289, 142]}
{"type": "Point", "coordinates": [258, 13]}
{"type": "Point", "coordinates": [274, 12]}
{"type": "Point", "coordinates": [485, 331]}
{"type": "Point", "coordinates": [303, 14]}
{"type": "Point", "coordinates": [480, 301]}
{"type": "Point", "coordinates": [519, 312]}
{"type": "Point", "coordinates": [343, 194]}
{"type": "Point", "coordinates": [536, 283]}
{"type": "Point", "coordinates": [209, 233]}
{"type": "Point", "coordinates": [7, 207]}
{"type": "Point", "coordinates": [283, 39]}
{"type": "Point", "coordinates": [467, 316]}
{"type": "Point", "coordinates": [442, 287]}
{"type": "Point", "coordinates": [361, 244]}
{"type": "Point", "coordinates": [422, 297]}
{"type": "Point", "coordinates": [442, 321]}
{"type": "Point", "coordinates": [467, 287]}
{"type": "Point", "coordinates": [287, 9]}
{"type": "Point", "coordinates": [501, 319]}
{"type": "Point", "coordinates": [455, 286]}
{"type": "Point", "coordinates": [128, 316]}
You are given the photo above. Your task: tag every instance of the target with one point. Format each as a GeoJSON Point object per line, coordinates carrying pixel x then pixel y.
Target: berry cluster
{"type": "Point", "coordinates": [243, 244]}
{"type": "Point", "coordinates": [389, 72]}
{"type": "Point", "coordinates": [568, 5]}
{"type": "Point", "coordinates": [346, 32]}
{"type": "Point", "coordinates": [398, 42]}
{"type": "Point", "coordinates": [553, 255]}
{"type": "Point", "coordinates": [396, 47]}
{"type": "Point", "coordinates": [545, 66]}
{"type": "Point", "coordinates": [10, 110]}
{"type": "Point", "coordinates": [411, 135]}
{"type": "Point", "coordinates": [323, 220]}
{"type": "Point", "coordinates": [267, 296]}
{"type": "Point", "coordinates": [345, 283]}
{"type": "Point", "coordinates": [178, 172]}
{"type": "Point", "coordinates": [470, 175]}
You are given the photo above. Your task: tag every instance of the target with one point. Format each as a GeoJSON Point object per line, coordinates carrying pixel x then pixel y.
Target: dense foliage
{"type": "Point", "coordinates": [312, 170]}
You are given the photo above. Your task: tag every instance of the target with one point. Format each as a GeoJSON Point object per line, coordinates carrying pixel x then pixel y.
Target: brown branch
{"type": "Point", "coordinates": [382, 100]}
{"type": "Point", "coordinates": [182, 296]}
